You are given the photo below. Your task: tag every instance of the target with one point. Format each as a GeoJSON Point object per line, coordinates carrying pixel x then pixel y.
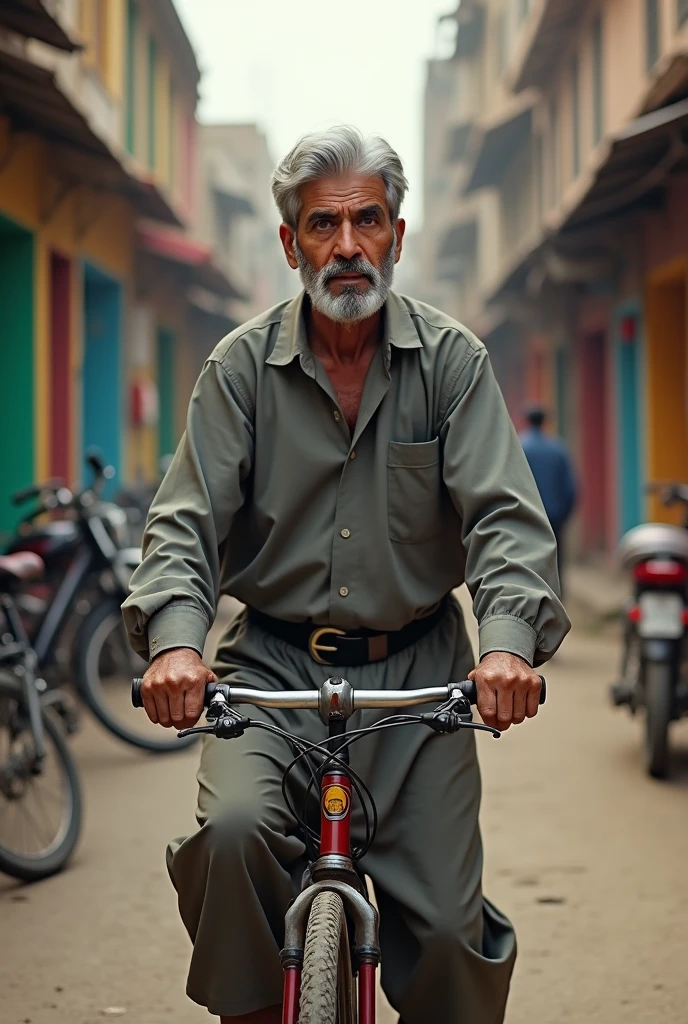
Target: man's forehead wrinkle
{"type": "Point", "coordinates": [334, 202]}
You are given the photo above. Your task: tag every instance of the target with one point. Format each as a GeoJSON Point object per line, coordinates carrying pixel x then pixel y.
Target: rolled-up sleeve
{"type": "Point", "coordinates": [511, 566]}
{"type": "Point", "coordinates": [174, 591]}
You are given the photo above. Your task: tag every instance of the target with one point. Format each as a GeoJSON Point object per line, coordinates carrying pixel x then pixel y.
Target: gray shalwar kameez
{"type": "Point", "coordinates": [270, 499]}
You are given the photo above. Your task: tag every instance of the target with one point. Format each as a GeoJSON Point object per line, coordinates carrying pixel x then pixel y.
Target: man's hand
{"type": "Point", "coordinates": [508, 690]}
{"type": "Point", "coordinates": [174, 686]}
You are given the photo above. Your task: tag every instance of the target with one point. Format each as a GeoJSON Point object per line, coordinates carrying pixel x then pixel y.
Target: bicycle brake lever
{"type": "Point", "coordinates": [226, 727]}
{"type": "Point", "coordinates": [451, 721]}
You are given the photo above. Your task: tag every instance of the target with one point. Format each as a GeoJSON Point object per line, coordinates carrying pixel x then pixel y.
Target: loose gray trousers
{"type": "Point", "coordinates": [447, 952]}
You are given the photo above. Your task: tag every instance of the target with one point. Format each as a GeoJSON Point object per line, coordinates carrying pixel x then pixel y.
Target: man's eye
{"type": "Point", "coordinates": [368, 220]}
{"type": "Point", "coordinates": [323, 224]}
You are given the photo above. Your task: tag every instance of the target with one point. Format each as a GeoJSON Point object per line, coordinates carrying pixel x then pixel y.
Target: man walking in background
{"type": "Point", "coordinates": [551, 466]}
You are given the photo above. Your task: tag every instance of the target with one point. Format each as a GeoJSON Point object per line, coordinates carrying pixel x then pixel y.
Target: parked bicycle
{"type": "Point", "coordinates": [40, 795]}
{"type": "Point", "coordinates": [653, 668]}
{"type": "Point", "coordinates": [331, 949]}
{"type": "Point", "coordinates": [76, 626]}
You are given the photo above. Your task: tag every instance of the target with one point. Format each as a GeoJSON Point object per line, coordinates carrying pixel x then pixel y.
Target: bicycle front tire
{"type": "Point", "coordinates": [327, 986]}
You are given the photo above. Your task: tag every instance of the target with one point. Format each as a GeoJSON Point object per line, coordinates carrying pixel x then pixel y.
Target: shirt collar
{"type": "Point", "coordinates": [292, 341]}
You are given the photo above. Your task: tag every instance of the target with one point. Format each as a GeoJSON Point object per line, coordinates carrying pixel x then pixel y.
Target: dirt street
{"type": "Point", "coordinates": [586, 855]}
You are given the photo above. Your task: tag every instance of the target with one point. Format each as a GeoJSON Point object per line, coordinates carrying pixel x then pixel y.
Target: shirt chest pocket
{"type": "Point", "coordinates": [414, 491]}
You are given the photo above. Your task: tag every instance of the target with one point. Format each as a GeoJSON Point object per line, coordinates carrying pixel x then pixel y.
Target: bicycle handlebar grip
{"type": "Point", "coordinates": [137, 698]}
{"type": "Point", "coordinates": [471, 691]}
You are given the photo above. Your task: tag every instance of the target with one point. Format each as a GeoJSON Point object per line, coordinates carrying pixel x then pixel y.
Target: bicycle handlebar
{"type": "Point", "coordinates": [309, 699]}
{"type": "Point", "coordinates": [35, 490]}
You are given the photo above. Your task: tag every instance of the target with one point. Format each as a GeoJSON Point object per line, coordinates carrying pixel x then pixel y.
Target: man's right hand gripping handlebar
{"type": "Point", "coordinates": [173, 688]}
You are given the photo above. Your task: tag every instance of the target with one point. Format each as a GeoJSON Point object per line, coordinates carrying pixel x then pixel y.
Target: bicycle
{"type": "Point", "coordinates": [40, 795]}
{"type": "Point", "coordinates": [322, 965]}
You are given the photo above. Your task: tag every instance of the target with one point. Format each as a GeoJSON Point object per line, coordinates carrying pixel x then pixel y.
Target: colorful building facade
{"type": "Point", "coordinates": [97, 146]}
{"type": "Point", "coordinates": [578, 137]}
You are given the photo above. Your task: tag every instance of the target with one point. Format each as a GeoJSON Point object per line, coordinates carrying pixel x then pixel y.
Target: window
{"type": "Point", "coordinates": [130, 139]}
{"type": "Point", "coordinates": [152, 74]}
{"type": "Point", "coordinates": [681, 12]}
{"type": "Point", "coordinates": [651, 33]}
{"type": "Point", "coordinates": [554, 154]}
{"type": "Point", "coordinates": [575, 118]}
{"type": "Point", "coordinates": [597, 82]}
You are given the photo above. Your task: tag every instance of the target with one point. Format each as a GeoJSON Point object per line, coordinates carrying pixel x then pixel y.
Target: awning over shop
{"type": "Point", "coordinates": [497, 146]}
{"type": "Point", "coordinates": [232, 204]}
{"type": "Point", "coordinates": [213, 308]}
{"type": "Point", "coordinates": [456, 249]}
{"type": "Point", "coordinates": [176, 247]}
{"type": "Point", "coordinates": [457, 140]}
{"type": "Point", "coordinates": [458, 240]}
{"type": "Point", "coordinates": [33, 101]}
{"type": "Point", "coordinates": [30, 18]}
{"type": "Point", "coordinates": [547, 37]}
{"type": "Point", "coordinates": [639, 159]}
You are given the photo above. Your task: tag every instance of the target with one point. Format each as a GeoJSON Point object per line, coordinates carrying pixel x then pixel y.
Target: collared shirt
{"type": "Point", "coordinates": [550, 464]}
{"type": "Point", "coordinates": [271, 499]}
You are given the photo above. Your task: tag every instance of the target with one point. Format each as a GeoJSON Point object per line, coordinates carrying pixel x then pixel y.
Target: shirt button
{"type": "Point", "coordinates": [346, 534]}
{"type": "Point", "coordinates": [344, 591]}
{"type": "Point", "coordinates": [353, 455]}
{"type": "Point", "coordinates": [336, 415]}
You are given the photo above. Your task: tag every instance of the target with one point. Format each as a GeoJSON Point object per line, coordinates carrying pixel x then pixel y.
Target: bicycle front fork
{"type": "Point", "coordinates": [365, 953]}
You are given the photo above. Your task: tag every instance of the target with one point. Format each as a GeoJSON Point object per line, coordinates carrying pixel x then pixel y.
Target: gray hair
{"type": "Point", "coordinates": [339, 150]}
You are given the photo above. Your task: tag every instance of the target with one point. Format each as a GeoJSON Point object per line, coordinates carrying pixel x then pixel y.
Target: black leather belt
{"type": "Point", "coordinates": [331, 646]}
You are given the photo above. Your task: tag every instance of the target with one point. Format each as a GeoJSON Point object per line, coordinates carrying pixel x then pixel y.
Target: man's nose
{"type": "Point", "coordinates": [347, 245]}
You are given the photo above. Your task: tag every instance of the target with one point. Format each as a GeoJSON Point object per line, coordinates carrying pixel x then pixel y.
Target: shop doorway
{"type": "Point", "coordinates": [101, 379]}
{"type": "Point", "coordinates": [61, 439]}
{"type": "Point", "coordinates": [17, 393]}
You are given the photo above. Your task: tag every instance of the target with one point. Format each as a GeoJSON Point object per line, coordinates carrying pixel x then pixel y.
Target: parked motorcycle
{"type": "Point", "coordinates": [74, 620]}
{"type": "Point", "coordinates": [653, 671]}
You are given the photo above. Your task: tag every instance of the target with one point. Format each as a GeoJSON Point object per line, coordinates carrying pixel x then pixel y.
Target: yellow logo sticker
{"type": "Point", "coordinates": [335, 802]}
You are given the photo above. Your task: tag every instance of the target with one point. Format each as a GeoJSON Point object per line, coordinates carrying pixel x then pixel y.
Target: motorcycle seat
{"type": "Point", "coordinates": [20, 567]}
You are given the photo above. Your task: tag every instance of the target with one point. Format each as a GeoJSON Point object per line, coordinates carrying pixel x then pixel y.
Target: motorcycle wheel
{"type": "Point", "coordinates": [104, 667]}
{"type": "Point", "coordinates": [40, 814]}
{"type": "Point", "coordinates": [659, 698]}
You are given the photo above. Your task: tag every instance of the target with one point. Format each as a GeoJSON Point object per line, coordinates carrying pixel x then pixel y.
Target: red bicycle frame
{"type": "Point", "coordinates": [335, 842]}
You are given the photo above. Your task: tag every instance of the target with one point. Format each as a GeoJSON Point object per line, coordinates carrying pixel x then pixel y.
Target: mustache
{"type": "Point", "coordinates": [356, 265]}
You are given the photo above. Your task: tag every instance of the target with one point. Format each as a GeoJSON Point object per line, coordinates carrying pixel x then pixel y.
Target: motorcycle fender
{"type": "Point", "coordinates": [659, 650]}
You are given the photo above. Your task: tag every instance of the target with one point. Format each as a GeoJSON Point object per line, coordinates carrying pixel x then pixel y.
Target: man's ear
{"type": "Point", "coordinates": [287, 238]}
{"type": "Point", "coordinates": [399, 231]}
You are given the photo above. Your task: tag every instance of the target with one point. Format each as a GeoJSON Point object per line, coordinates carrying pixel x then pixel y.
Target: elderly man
{"type": "Point", "coordinates": [348, 461]}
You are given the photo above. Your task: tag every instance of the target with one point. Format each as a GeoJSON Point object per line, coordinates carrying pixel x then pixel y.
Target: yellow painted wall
{"type": "Point", "coordinates": [666, 312]}
{"type": "Point", "coordinates": [116, 36]}
{"type": "Point", "coordinates": [82, 224]}
{"type": "Point", "coordinates": [162, 121]}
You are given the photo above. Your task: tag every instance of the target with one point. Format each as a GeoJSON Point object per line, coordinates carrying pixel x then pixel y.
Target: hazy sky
{"type": "Point", "coordinates": [295, 65]}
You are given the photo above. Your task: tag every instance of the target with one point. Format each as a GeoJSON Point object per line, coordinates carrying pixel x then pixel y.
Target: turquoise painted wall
{"type": "Point", "coordinates": [629, 414]}
{"type": "Point", "coordinates": [16, 366]}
